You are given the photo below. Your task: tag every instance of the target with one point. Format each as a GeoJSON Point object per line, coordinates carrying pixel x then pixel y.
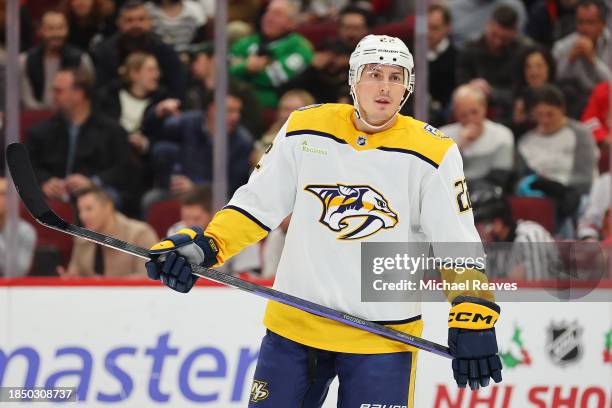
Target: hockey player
{"type": "Point", "coordinates": [348, 174]}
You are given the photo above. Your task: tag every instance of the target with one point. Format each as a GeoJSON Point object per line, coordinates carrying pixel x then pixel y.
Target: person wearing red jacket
{"type": "Point", "coordinates": [595, 115]}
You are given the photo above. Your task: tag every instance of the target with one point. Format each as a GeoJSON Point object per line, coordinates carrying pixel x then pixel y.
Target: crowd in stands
{"type": "Point", "coordinates": [125, 92]}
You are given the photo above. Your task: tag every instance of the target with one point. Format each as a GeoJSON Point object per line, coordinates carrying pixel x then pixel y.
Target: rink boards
{"type": "Point", "coordinates": [139, 345]}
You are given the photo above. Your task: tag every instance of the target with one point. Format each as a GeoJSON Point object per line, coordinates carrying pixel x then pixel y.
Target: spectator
{"type": "Point", "coordinates": [274, 56]}
{"type": "Point", "coordinates": [177, 22]}
{"type": "Point", "coordinates": [237, 30]}
{"type": "Point", "coordinates": [489, 62]}
{"type": "Point", "coordinates": [183, 154]}
{"type": "Point", "coordinates": [203, 82]}
{"type": "Point", "coordinates": [550, 20]}
{"type": "Point", "coordinates": [209, 6]}
{"type": "Point", "coordinates": [90, 21]}
{"type": "Point", "coordinates": [441, 58]}
{"type": "Point", "coordinates": [78, 147]}
{"type": "Point", "coordinates": [135, 34]}
{"type": "Point", "coordinates": [97, 213]}
{"type": "Point", "coordinates": [593, 222]}
{"type": "Point", "coordinates": [557, 158]}
{"type": "Point", "coordinates": [583, 55]}
{"type": "Point", "coordinates": [487, 148]}
{"type": "Point", "coordinates": [397, 11]}
{"type": "Point", "coordinates": [39, 65]}
{"type": "Point", "coordinates": [290, 101]}
{"type": "Point", "coordinates": [25, 235]}
{"type": "Point", "coordinates": [468, 16]}
{"type": "Point", "coordinates": [354, 24]}
{"type": "Point", "coordinates": [127, 100]}
{"type": "Point", "coordinates": [196, 209]}
{"type": "Point", "coordinates": [312, 10]}
{"type": "Point", "coordinates": [516, 249]}
{"type": "Point", "coordinates": [536, 68]}
{"type": "Point", "coordinates": [327, 77]}
{"type": "Point", "coordinates": [596, 114]}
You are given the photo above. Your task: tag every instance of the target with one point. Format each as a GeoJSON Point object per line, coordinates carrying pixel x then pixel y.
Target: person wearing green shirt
{"type": "Point", "coordinates": [272, 57]}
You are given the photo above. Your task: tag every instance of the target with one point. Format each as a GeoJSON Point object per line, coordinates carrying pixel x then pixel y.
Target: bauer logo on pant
{"type": "Point", "coordinates": [259, 391]}
{"type": "Point", "coordinates": [356, 211]}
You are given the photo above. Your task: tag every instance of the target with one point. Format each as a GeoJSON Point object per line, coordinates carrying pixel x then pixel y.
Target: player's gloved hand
{"type": "Point", "coordinates": [173, 255]}
{"type": "Point", "coordinates": [472, 342]}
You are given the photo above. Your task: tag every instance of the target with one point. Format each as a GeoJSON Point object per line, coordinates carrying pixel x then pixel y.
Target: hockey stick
{"type": "Point", "coordinates": [32, 196]}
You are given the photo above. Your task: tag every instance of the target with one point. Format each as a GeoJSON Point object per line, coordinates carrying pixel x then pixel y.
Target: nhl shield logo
{"type": "Point", "coordinates": [564, 343]}
{"type": "Point", "coordinates": [361, 140]}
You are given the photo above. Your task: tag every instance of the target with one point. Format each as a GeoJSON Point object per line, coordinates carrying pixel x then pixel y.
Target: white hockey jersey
{"type": "Point", "coordinates": [345, 187]}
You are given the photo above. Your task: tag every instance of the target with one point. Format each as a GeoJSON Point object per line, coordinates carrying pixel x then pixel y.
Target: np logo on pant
{"type": "Point", "coordinates": [259, 391]}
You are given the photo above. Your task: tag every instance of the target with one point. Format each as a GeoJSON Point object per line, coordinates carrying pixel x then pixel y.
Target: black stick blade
{"type": "Point", "coordinates": [27, 185]}
{"type": "Point", "coordinates": [32, 196]}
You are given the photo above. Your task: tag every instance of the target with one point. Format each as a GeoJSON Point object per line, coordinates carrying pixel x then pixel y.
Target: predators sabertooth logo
{"type": "Point", "coordinates": [259, 391]}
{"type": "Point", "coordinates": [356, 211]}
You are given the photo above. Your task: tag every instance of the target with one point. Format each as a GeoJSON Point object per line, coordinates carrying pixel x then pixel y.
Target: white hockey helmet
{"type": "Point", "coordinates": [381, 49]}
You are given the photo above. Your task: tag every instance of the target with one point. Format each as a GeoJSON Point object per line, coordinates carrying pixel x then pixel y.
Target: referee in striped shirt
{"type": "Point", "coordinates": [516, 249]}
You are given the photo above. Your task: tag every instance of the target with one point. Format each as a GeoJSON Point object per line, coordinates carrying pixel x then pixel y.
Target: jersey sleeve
{"type": "Point", "coordinates": [448, 222]}
{"type": "Point", "coordinates": [446, 212]}
{"type": "Point", "coordinates": [260, 205]}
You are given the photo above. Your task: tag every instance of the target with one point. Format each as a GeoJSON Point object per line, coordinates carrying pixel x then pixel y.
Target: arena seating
{"type": "Point", "coordinates": [540, 210]}
{"type": "Point", "coordinates": [51, 243]}
{"type": "Point", "coordinates": [163, 214]}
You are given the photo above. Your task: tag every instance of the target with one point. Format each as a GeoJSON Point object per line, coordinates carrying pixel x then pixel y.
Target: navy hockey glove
{"type": "Point", "coordinates": [173, 255]}
{"type": "Point", "coordinates": [472, 342]}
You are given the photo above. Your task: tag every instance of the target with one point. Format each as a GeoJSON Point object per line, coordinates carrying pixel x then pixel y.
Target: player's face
{"type": "Point", "coordinates": [380, 90]}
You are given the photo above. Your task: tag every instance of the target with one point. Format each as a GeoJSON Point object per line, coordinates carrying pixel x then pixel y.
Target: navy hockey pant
{"type": "Point", "coordinates": [291, 375]}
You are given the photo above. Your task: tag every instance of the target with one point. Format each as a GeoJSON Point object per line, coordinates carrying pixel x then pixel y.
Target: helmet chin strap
{"type": "Point", "coordinates": [362, 117]}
